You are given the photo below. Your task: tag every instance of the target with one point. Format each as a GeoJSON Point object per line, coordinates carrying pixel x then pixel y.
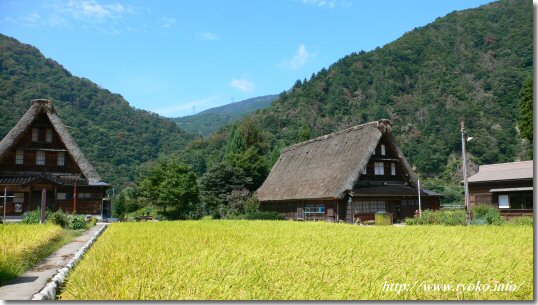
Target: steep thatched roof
{"type": "Point", "coordinates": [326, 167]}
{"type": "Point", "coordinates": [44, 106]}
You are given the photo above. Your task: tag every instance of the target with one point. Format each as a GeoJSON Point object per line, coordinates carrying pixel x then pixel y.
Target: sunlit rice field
{"type": "Point", "coordinates": [20, 245]}
{"type": "Point", "coordinates": [268, 260]}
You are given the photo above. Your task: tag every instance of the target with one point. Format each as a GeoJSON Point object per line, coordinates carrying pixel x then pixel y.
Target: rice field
{"type": "Point", "coordinates": [282, 260]}
{"type": "Point", "coordinates": [21, 246]}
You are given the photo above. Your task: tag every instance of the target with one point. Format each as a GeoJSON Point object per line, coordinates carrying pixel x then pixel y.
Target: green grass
{"type": "Point", "coordinates": [24, 245]}
{"type": "Point", "coordinates": [267, 260]}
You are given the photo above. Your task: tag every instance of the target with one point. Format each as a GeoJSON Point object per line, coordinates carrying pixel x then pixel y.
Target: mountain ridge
{"type": "Point", "coordinates": [212, 119]}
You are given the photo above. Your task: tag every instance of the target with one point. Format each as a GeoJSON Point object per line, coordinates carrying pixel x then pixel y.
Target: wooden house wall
{"type": "Point", "coordinates": [30, 149]}
{"type": "Point", "coordinates": [393, 205]}
{"type": "Point", "coordinates": [32, 198]}
{"type": "Point", "coordinates": [479, 192]}
{"type": "Point", "coordinates": [391, 156]}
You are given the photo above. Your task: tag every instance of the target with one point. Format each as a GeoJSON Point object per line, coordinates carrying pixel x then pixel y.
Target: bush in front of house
{"type": "Point", "coordinates": [33, 217]}
{"type": "Point", "coordinates": [488, 215]}
{"type": "Point", "coordinates": [440, 217]}
{"type": "Point", "coordinates": [453, 217]}
{"type": "Point", "coordinates": [60, 218]}
{"type": "Point", "coordinates": [77, 222]}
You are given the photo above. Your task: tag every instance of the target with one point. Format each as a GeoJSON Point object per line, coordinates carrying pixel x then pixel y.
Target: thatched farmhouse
{"type": "Point", "coordinates": [39, 153]}
{"type": "Point", "coordinates": [507, 186]}
{"type": "Point", "coordinates": [349, 174]}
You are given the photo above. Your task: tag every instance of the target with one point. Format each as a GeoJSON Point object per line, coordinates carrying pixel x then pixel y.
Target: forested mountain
{"type": "Point", "coordinates": [213, 119]}
{"type": "Point", "coordinates": [469, 64]}
{"type": "Point", "coordinates": [112, 134]}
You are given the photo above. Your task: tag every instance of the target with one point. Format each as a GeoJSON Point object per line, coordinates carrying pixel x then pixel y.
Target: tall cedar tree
{"type": "Point", "coordinates": [526, 113]}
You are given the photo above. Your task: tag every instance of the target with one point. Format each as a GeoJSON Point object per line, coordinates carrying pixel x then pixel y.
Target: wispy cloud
{"type": "Point", "coordinates": [299, 59]}
{"type": "Point", "coordinates": [167, 22]}
{"type": "Point", "coordinates": [243, 85]}
{"type": "Point", "coordinates": [208, 36]}
{"type": "Point", "coordinates": [32, 19]}
{"type": "Point", "coordinates": [91, 11]}
{"type": "Point", "coordinates": [329, 4]}
{"type": "Point", "coordinates": [89, 14]}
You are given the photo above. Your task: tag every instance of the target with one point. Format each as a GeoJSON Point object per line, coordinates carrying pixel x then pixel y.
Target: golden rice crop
{"type": "Point", "coordinates": [268, 260]}
{"type": "Point", "coordinates": [19, 245]}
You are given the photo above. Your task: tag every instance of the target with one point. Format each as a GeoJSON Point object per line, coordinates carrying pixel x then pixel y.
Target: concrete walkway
{"type": "Point", "coordinates": [30, 283]}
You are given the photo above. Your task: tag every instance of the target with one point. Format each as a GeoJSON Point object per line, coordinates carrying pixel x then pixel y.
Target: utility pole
{"type": "Point", "coordinates": [419, 202]}
{"type": "Point", "coordinates": [43, 206]}
{"type": "Point", "coordinates": [75, 199]}
{"type": "Point", "coordinates": [465, 184]}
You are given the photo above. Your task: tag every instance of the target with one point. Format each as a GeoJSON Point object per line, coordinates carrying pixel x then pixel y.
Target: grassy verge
{"type": "Point", "coordinates": [23, 246]}
{"type": "Point", "coordinates": [280, 260]}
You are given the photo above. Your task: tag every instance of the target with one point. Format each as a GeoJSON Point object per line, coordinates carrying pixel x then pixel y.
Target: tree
{"type": "Point", "coordinates": [218, 182]}
{"type": "Point", "coordinates": [526, 113]}
{"type": "Point", "coordinates": [179, 189]}
{"type": "Point", "coordinates": [170, 184]}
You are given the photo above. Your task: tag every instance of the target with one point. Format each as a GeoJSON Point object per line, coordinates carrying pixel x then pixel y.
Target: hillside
{"type": "Point", "coordinates": [112, 134]}
{"type": "Point", "coordinates": [469, 64]}
{"type": "Point", "coordinates": [213, 119]}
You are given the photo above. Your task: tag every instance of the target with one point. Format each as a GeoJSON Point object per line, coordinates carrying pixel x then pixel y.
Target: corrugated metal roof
{"type": "Point", "coordinates": [504, 171]}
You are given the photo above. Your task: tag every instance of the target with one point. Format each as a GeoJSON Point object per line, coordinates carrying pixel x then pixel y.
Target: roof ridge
{"type": "Point", "coordinates": [378, 124]}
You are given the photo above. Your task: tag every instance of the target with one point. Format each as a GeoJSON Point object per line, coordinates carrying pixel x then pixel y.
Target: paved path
{"type": "Point", "coordinates": [30, 283]}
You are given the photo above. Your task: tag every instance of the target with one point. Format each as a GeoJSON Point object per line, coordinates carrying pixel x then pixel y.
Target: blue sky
{"type": "Point", "coordinates": [170, 56]}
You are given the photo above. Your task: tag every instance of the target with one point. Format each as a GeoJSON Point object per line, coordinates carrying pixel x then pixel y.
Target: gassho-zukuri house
{"type": "Point", "coordinates": [39, 153]}
{"type": "Point", "coordinates": [347, 175]}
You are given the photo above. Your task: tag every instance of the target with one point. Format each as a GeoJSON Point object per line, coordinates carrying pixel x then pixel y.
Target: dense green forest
{"type": "Point", "coordinates": [213, 119]}
{"type": "Point", "coordinates": [112, 134]}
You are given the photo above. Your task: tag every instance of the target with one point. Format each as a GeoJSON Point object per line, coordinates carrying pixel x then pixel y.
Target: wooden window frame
{"type": "Point", "coordinates": [48, 135]}
{"type": "Point", "coordinates": [35, 134]}
{"type": "Point", "coordinates": [40, 158]}
{"type": "Point", "coordinates": [379, 168]}
{"type": "Point", "coordinates": [19, 157]}
{"type": "Point", "coordinates": [60, 158]}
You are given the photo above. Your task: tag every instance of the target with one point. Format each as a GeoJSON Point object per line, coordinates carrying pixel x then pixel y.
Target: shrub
{"type": "Point", "coordinates": [479, 222]}
{"type": "Point", "coordinates": [91, 222]}
{"type": "Point", "coordinates": [453, 217]}
{"type": "Point", "coordinates": [441, 217]}
{"type": "Point", "coordinates": [262, 216]}
{"type": "Point", "coordinates": [489, 214]}
{"type": "Point", "coordinates": [33, 217]}
{"type": "Point", "coordinates": [522, 221]}
{"type": "Point", "coordinates": [77, 222]}
{"type": "Point", "coordinates": [60, 218]}
{"type": "Point", "coordinates": [411, 221]}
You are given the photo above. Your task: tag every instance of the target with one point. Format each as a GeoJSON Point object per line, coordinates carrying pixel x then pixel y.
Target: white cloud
{"type": "Point", "coordinates": [91, 11]}
{"type": "Point", "coordinates": [330, 4]}
{"type": "Point", "coordinates": [32, 19]}
{"type": "Point", "coordinates": [167, 22]}
{"type": "Point", "coordinates": [299, 59]}
{"type": "Point", "coordinates": [243, 85]}
{"type": "Point", "coordinates": [320, 3]}
{"type": "Point", "coordinates": [207, 36]}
